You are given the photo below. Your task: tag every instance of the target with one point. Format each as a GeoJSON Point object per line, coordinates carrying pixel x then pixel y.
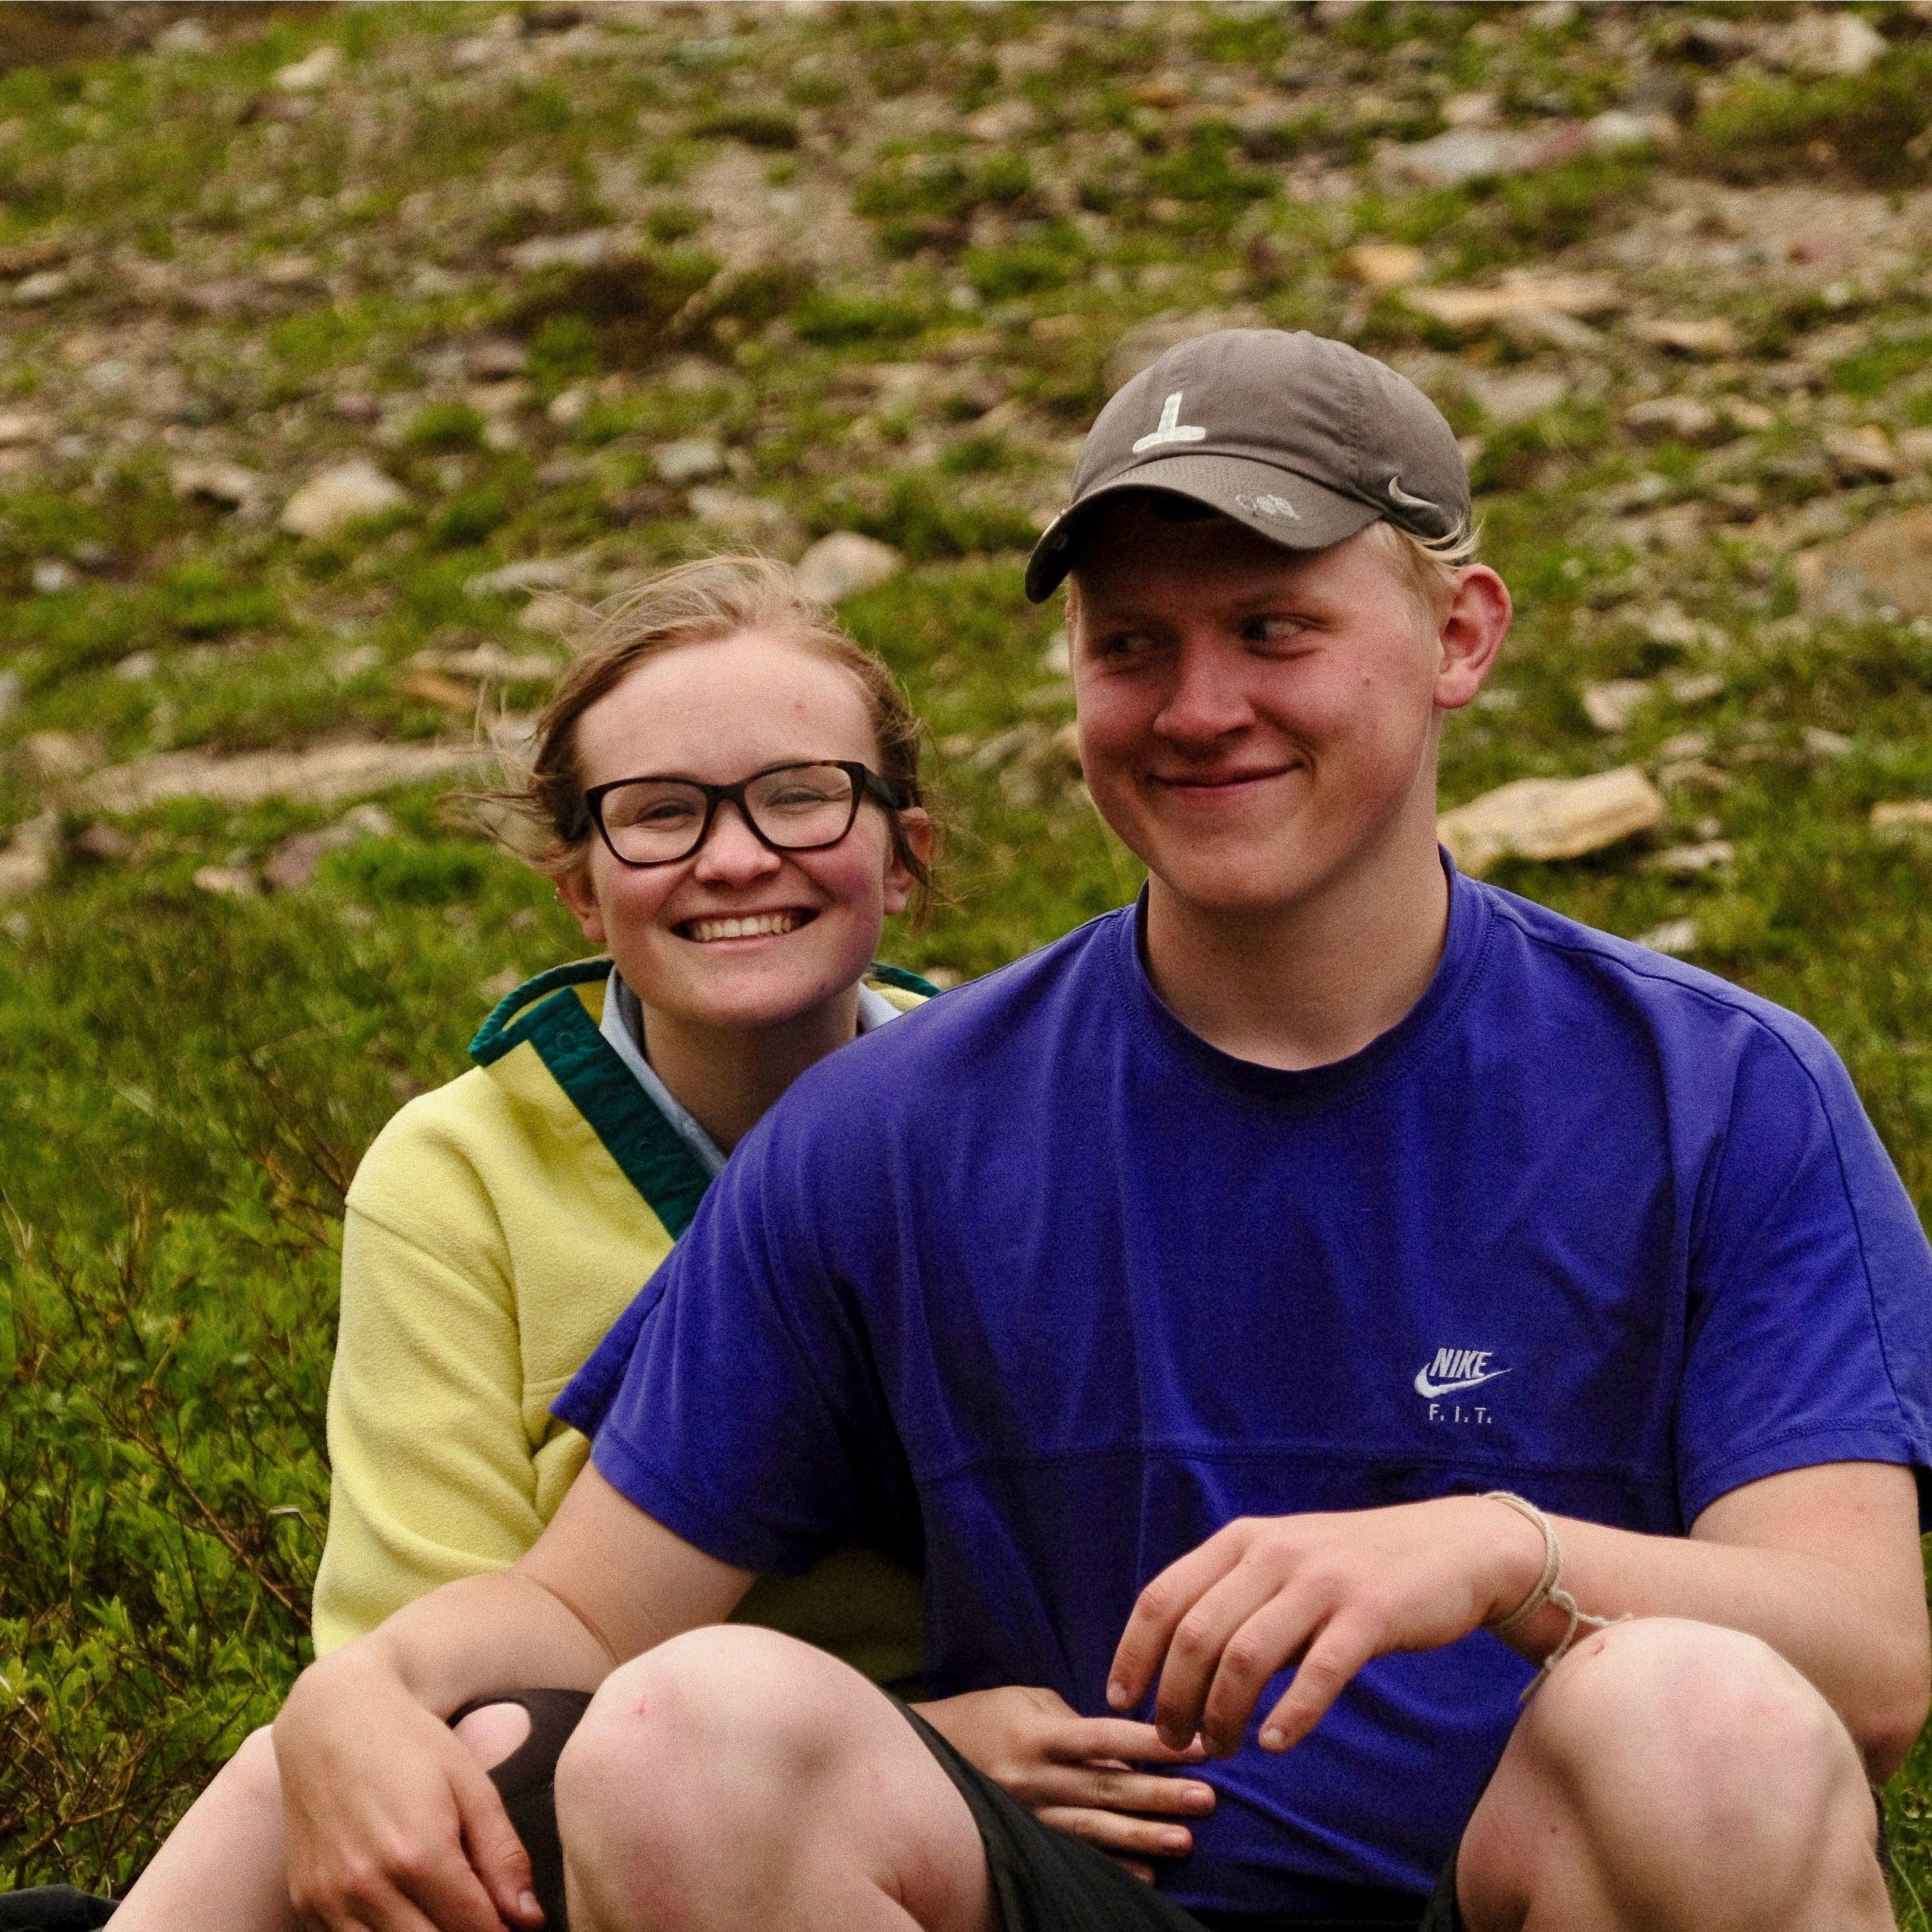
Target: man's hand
{"type": "Point", "coordinates": [1075, 1773]}
{"type": "Point", "coordinates": [1324, 1592]}
{"type": "Point", "coordinates": [392, 1826]}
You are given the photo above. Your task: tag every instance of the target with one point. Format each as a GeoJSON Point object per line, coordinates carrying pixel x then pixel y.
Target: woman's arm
{"type": "Point", "coordinates": [432, 1474]}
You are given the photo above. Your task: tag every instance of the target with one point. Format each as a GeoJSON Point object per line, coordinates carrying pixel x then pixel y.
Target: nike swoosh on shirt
{"type": "Point", "coordinates": [1424, 1386]}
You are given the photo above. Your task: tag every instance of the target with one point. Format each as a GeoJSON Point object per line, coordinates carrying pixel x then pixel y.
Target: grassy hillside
{"type": "Point", "coordinates": [598, 288]}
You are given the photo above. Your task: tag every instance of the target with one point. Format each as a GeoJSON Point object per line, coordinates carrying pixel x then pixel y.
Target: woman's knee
{"type": "Point", "coordinates": [251, 1774]}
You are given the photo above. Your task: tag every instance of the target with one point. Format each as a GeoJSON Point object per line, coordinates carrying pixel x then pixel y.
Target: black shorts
{"type": "Point", "coordinates": [1045, 1880]}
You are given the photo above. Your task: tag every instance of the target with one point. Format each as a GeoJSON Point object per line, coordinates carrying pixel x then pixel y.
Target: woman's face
{"type": "Point", "coordinates": [719, 712]}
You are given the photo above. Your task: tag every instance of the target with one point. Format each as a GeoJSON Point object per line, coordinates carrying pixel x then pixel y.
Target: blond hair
{"type": "Point", "coordinates": [541, 812]}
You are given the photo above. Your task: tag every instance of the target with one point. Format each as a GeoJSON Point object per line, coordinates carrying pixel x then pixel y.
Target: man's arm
{"type": "Point", "coordinates": [1822, 1564]}
{"type": "Point", "coordinates": [391, 1821]}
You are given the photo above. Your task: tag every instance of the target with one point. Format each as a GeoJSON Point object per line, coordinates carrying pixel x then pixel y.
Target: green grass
{"type": "Point", "coordinates": [205, 1072]}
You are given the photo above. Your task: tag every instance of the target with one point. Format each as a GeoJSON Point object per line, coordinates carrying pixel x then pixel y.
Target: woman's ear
{"type": "Point", "coordinates": [574, 890]}
{"type": "Point", "coordinates": [916, 829]}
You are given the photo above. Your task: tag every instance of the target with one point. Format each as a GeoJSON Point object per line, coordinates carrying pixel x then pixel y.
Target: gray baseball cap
{"type": "Point", "coordinates": [1304, 439]}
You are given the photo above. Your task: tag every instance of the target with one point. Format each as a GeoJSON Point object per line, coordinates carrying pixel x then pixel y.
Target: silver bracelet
{"type": "Point", "coordinates": [1547, 1589]}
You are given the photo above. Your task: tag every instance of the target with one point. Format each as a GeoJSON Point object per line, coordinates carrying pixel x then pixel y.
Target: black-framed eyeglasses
{"type": "Point", "coordinates": [791, 807]}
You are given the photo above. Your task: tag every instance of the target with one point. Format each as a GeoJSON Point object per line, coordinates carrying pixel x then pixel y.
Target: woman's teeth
{"type": "Point", "coordinates": [756, 927]}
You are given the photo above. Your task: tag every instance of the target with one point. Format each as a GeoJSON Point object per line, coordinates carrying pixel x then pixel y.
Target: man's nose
{"type": "Point", "coordinates": [1206, 699]}
{"type": "Point", "coordinates": [731, 851]}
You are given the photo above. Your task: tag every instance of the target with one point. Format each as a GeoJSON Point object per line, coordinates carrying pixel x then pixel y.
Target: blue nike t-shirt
{"type": "Point", "coordinates": [1038, 1277]}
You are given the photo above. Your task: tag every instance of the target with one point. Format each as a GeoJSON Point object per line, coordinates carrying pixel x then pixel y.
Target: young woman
{"type": "Point", "coordinates": [726, 789]}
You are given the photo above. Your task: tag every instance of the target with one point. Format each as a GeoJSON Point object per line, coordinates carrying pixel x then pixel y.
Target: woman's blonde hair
{"type": "Point", "coordinates": [540, 814]}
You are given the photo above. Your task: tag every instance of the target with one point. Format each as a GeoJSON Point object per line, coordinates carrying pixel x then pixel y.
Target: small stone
{"type": "Point", "coordinates": [491, 663]}
{"type": "Point", "coordinates": [1863, 454]}
{"type": "Point", "coordinates": [11, 692]}
{"type": "Point", "coordinates": [1678, 936]}
{"type": "Point", "coordinates": [495, 361]}
{"type": "Point", "coordinates": [1674, 419]}
{"type": "Point", "coordinates": [1465, 155]}
{"type": "Point", "coordinates": [293, 862]}
{"type": "Point", "coordinates": [232, 882]}
{"type": "Point", "coordinates": [690, 460]}
{"type": "Point", "coordinates": [1708, 855]}
{"type": "Point", "coordinates": [49, 285]}
{"type": "Point", "coordinates": [1914, 447]}
{"type": "Point", "coordinates": [315, 69]}
{"type": "Point", "coordinates": [1381, 264]}
{"type": "Point", "coordinates": [1706, 337]}
{"type": "Point", "coordinates": [184, 36]}
{"type": "Point", "coordinates": [1011, 119]}
{"type": "Point", "coordinates": [1744, 416]}
{"type": "Point", "coordinates": [1823, 742]}
{"type": "Point", "coordinates": [1618, 130]}
{"type": "Point", "coordinates": [1514, 395]}
{"type": "Point", "coordinates": [50, 758]}
{"type": "Point", "coordinates": [432, 687]}
{"type": "Point", "coordinates": [50, 577]}
{"type": "Point", "coordinates": [45, 251]}
{"type": "Point", "coordinates": [534, 573]}
{"type": "Point", "coordinates": [1467, 311]}
{"type": "Point", "coordinates": [840, 565]}
{"type": "Point", "coordinates": [103, 844]}
{"type": "Point", "coordinates": [340, 497]}
{"type": "Point", "coordinates": [1689, 688]}
{"type": "Point", "coordinates": [137, 665]}
{"type": "Point", "coordinates": [27, 859]}
{"type": "Point", "coordinates": [18, 427]}
{"type": "Point", "coordinates": [1830, 40]}
{"type": "Point", "coordinates": [1887, 566]}
{"type": "Point", "coordinates": [1911, 814]}
{"type": "Point", "coordinates": [229, 485]}
{"type": "Point", "coordinates": [1551, 818]}
{"type": "Point", "coordinates": [749, 517]}
{"type": "Point", "coordinates": [1611, 706]}
{"type": "Point", "coordinates": [353, 405]}
{"type": "Point", "coordinates": [585, 249]}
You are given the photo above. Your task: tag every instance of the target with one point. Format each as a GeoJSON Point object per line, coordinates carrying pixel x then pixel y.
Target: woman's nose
{"type": "Point", "coordinates": [731, 851]}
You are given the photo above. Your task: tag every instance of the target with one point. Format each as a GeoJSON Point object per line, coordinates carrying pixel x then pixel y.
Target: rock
{"type": "Point", "coordinates": [690, 460]}
{"type": "Point", "coordinates": [234, 882]}
{"type": "Point", "coordinates": [11, 691]}
{"type": "Point", "coordinates": [1381, 264]}
{"type": "Point", "coordinates": [318, 775]}
{"type": "Point", "coordinates": [1514, 395]}
{"type": "Point", "coordinates": [52, 758]}
{"type": "Point", "coordinates": [1010, 119]}
{"type": "Point", "coordinates": [1886, 566]}
{"type": "Point", "coordinates": [137, 665]}
{"type": "Point", "coordinates": [1674, 419]}
{"type": "Point", "coordinates": [49, 285]}
{"type": "Point", "coordinates": [27, 859]}
{"type": "Point", "coordinates": [840, 565]}
{"type": "Point", "coordinates": [1548, 328]}
{"type": "Point", "coordinates": [1822, 743]}
{"type": "Point", "coordinates": [184, 36]}
{"type": "Point", "coordinates": [1915, 447]}
{"type": "Point", "coordinates": [1831, 41]}
{"type": "Point", "coordinates": [23, 426]}
{"type": "Point", "coordinates": [1744, 416]}
{"type": "Point", "coordinates": [534, 573]}
{"type": "Point", "coordinates": [1911, 814]}
{"type": "Point", "coordinates": [101, 844]}
{"type": "Point", "coordinates": [229, 485]}
{"type": "Point", "coordinates": [1693, 688]}
{"type": "Point", "coordinates": [340, 497]}
{"type": "Point", "coordinates": [1708, 855]}
{"type": "Point", "coordinates": [1611, 706]}
{"type": "Point", "coordinates": [491, 663]}
{"type": "Point", "coordinates": [495, 361]}
{"type": "Point", "coordinates": [293, 862]}
{"type": "Point", "coordinates": [1479, 154]}
{"type": "Point", "coordinates": [429, 686]}
{"type": "Point", "coordinates": [1148, 341]}
{"type": "Point", "coordinates": [22, 258]}
{"type": "Point", "coordinates": [1551, 818]}
{"type": "Point", "coordinates": [315, 69]}
{"type": "Point", "coordinates": [1863, 454]}
{"type": "Point", "coordinates": [753, 518]}
{"type": "Point", "coordinates": [583, 250]}
{"type": "Point", "coordinates": [1708, 336]}
{"type": "Point", "coordinates": [1675, 936]}
{"type": "Point", "coordinates": [50, 577]}
{"type": "Point", "coordinates": [1618, 130]}
{"type": "Point", "coordinates": [1467, 311]}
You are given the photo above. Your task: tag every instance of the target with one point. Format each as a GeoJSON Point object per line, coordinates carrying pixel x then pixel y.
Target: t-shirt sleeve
{"type": "Point", "coordinates": [1809, 1335]}
{"type": "Point", "coordinates": [736, 1401]}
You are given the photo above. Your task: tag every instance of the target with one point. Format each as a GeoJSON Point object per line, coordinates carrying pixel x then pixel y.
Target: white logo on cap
{"type": "Point", "coordinates": [1170, 428]}
{"type": "Point", "coordinates": [1398, 494]}
{"type": "Point", "coordinates": [1268, 506]}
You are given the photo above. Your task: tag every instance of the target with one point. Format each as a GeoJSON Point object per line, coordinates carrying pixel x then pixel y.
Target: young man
{"type": "Point", "coordinates": [1191, 1288]}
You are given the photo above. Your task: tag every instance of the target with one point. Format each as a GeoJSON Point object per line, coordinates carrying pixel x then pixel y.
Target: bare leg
{"type": "Point", "coordinates": [222, 1865]}
{"type": "Point", "coordinates": [1674, 1777]}
{"type": "Point", "coordinates": [734, 1777]}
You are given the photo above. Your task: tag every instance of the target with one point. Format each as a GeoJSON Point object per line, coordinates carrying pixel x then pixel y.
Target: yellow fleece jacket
{"type": "Point", "coordinates": [495, 1229]}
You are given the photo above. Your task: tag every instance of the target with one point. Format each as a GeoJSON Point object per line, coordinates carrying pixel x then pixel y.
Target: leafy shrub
{"type": "Point", "coordinates": [1031, 268]}
{"type": "Point", "coordinates": [469, 518]}
{"type": "Point", "coordinates": [445, 427]}
{"type": "Point", "coordinates": [836, 317]}
{"type": "Point", "coordinates": [1868, 125]}
{"type": "Point", "coordinates": [756, 126]}
{"type": "Point", "coordinates": [627, 308]}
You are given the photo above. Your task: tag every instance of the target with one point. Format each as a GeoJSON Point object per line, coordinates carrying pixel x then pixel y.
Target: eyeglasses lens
{"type": "Point", "coordinates": [653, 820]}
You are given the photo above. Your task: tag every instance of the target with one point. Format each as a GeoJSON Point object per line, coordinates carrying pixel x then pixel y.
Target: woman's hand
{"type": "Point", "coordinates": [392, 1826]}
{"type": "Point", "coordinates": [1076, 1773]}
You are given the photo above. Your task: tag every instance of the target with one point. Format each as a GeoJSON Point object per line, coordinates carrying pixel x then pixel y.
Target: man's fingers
{"type": "Point", "coordinates": [497, 1854]}
{"type": "Point", "coordinates": [1340, 1650]}
{"type": "Point", "coordinates": [1087, 1740]}
{"type": "Point", "coordinates": [1157, 1613]}
{"type": "Point", "coordinates": [1099, 1788]}
{"type": "Point", "coordinates": [1276, 1634]}
{"type": "Point", "coordinates": [1132, 1837]}
{"type": "Point", "coordinates": [1194, 1654]}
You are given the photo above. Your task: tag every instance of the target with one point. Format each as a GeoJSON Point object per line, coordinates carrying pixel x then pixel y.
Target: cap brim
{"type": "Point", "coordinates": [1273, 502]}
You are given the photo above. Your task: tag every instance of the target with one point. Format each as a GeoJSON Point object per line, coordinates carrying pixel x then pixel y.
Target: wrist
{"type": "Point", "coordinates": [1517, 1556]}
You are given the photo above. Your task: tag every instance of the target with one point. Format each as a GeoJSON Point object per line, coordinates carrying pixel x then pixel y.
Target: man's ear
{"type": "Point", "coordinates": [1473, 628]}
{"type": "Point", "coordinates": [574, 890]}
{"type": "Point", "coordinates": [916, 828]}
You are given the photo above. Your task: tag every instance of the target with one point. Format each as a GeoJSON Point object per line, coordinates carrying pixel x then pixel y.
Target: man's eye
{"type": "Point", "coordinates": [1273, 630]}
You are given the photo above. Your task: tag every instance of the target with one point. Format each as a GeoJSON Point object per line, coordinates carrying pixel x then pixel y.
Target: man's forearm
{"type": "Point", "coordinates": [1860, 1638]}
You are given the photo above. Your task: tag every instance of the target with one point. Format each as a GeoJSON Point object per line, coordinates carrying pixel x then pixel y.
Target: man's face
{"type": "Point", "coordinates": [1254, 721]}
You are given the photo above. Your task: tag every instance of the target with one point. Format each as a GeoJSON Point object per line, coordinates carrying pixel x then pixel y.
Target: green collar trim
{"type": "Point", "coordinates": [906, 983]}
{"type": "Point", "coordinates": [547, 1013]}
